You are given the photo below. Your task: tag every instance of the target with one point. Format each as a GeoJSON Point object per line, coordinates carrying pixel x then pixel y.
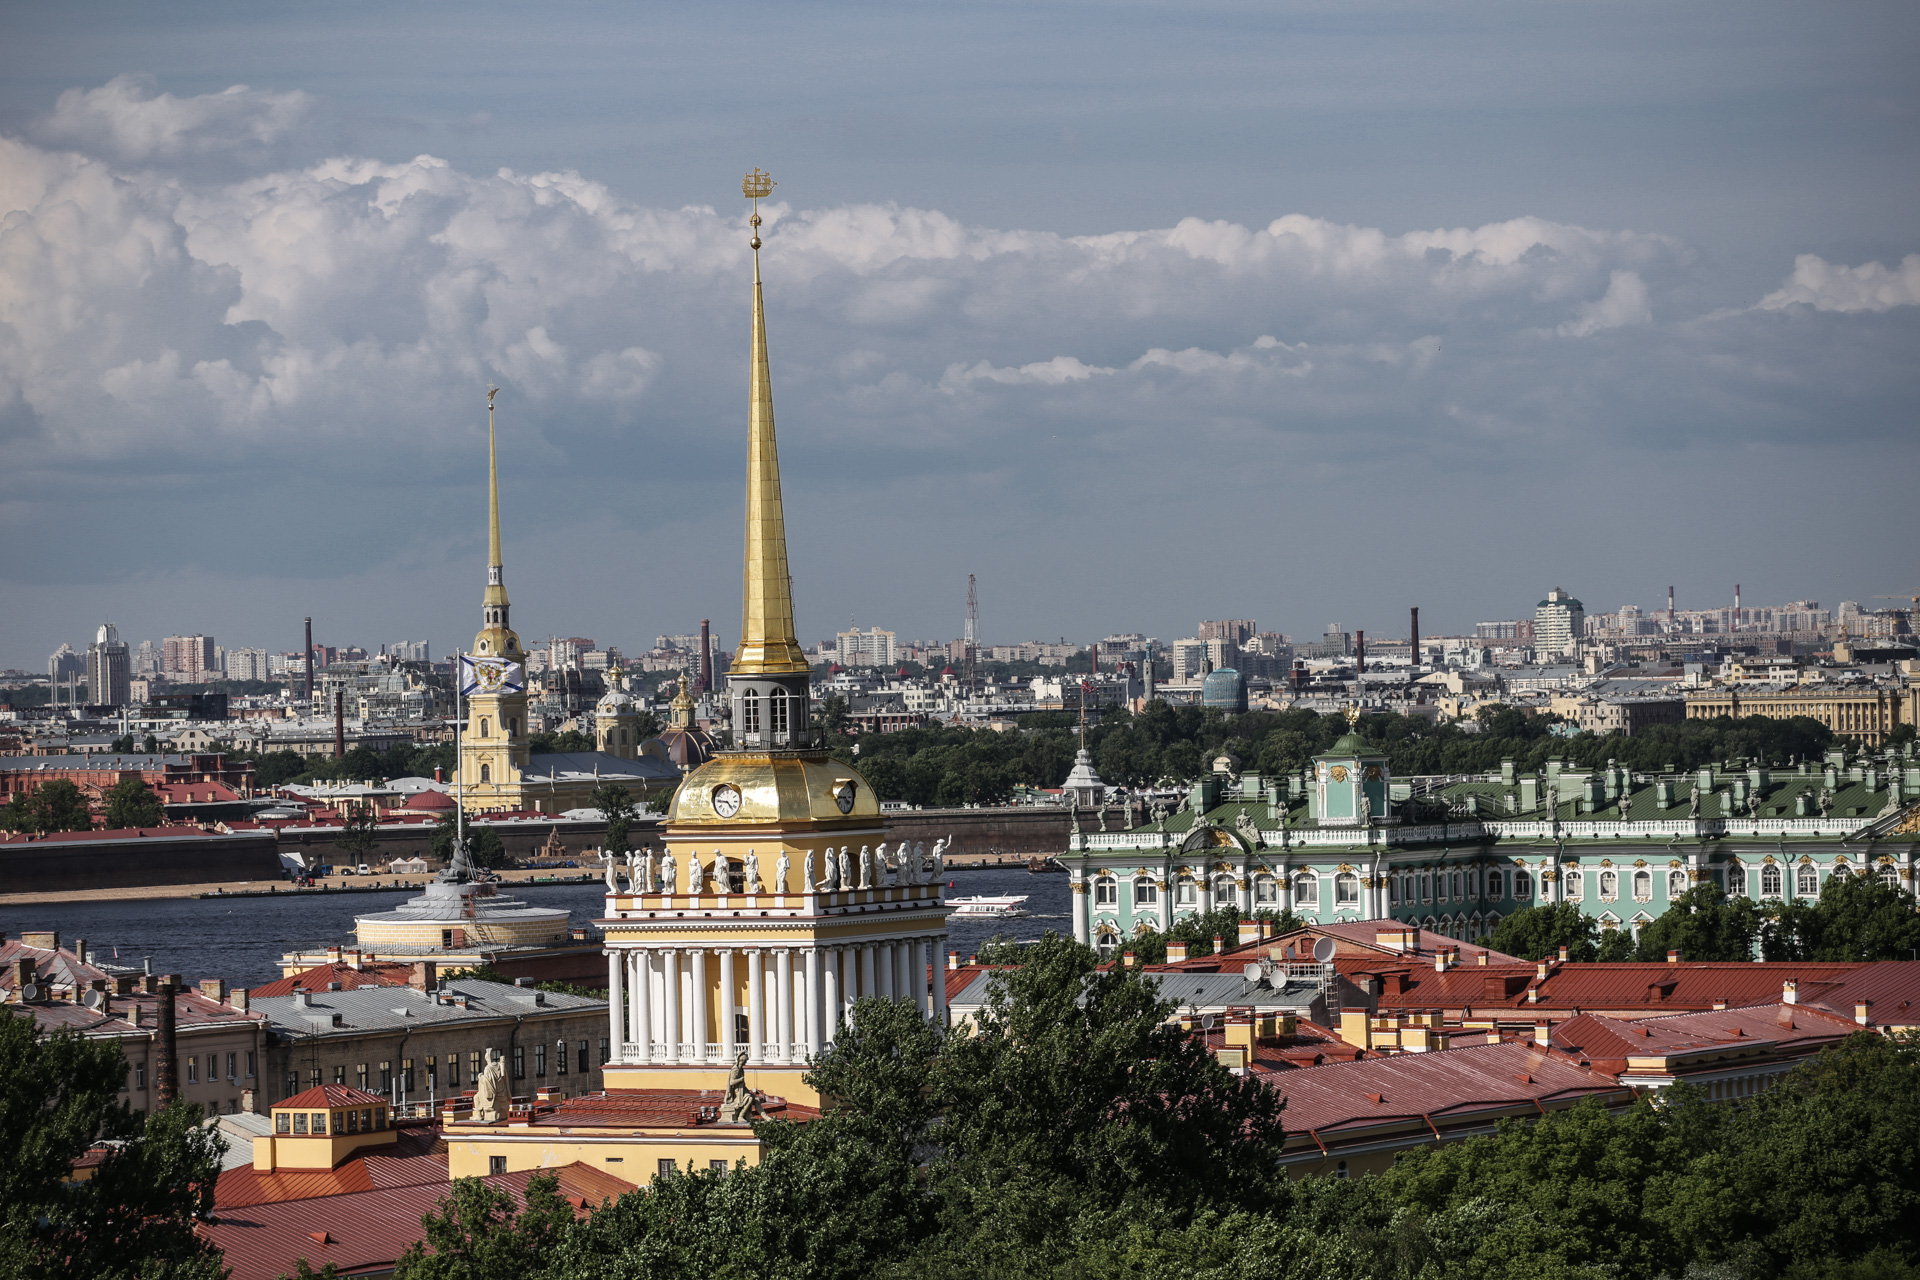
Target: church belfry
{"type": "Point", "coordinates": [493, 751]}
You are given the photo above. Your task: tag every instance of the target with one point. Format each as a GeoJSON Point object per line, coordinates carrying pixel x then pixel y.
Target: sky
{"type": "Point", "coordinates": [1142, 313]}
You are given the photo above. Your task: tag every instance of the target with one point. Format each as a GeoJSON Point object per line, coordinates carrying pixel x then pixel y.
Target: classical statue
{"type": "Point", "coordinates": [649, 872]}
{"type": "Point", "coordinates": [1101, 813]}
{"type": "Point", "coordinates": [1693, 801]}
{"type": "Point", "coordinates": [1159, 815]}
{"type": "Point", "coordinates": [1244, 824]}
{"type": "Point", "coordinates": [739, 1106]}
{"type": "Point", "coordinates": [1826, 802]}
{"type": "Point", "coordinates": [696, 874]}
{"type": "Point", "coordinates": [752, 875]}
{"type": "Point", "coordinates": [846, 867]}
{"type": "Point", "coordinates": [940, 848]}
{"type": "Point", "coordinates": [633, 871]}
{"type": "Point", "coordinates": [866, 867]}
{"type": "Point", "coordinates": [915, 871]}
{"type": "Point", "coordinates": [929, 873]}
{"type": "Point", "coordinates": [669, 872]}
{"type": "Point", "coordinates": [722, 874]}
{"type": "Point", "coordinates": [780, 868]}
{"type": "Point", "coordinates": [809, 880]}
{"type": "Point", "coordinates": [490, 1096]}
{"type": "Point", "coordinates": [613, 884]}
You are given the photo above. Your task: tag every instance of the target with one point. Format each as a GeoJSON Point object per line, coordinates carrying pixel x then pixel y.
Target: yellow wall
{"type": "Point", "coordinates": [632, 1155]}
{"type": "Point", "coordinates": [778, 1082]}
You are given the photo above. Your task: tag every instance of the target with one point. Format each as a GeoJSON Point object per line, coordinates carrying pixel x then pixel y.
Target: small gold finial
{"type": "Point", "coordinates": [756, 186]}
{"type": "Point", "coordinates": [1353, 716]}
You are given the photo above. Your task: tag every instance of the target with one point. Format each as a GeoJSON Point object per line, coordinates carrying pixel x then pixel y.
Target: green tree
{"type": "Point", "coordinates": [832, 718]}
{"type": "Point", "coordinates": [123, 745]}
{"type": "Point", "coordinates": [54, 806]}
{"type": "Point", "coordinates": [567, 740]}
{"type": "Point", "coordinates": [1538, 933]}
{"type": "Point", "coordinates": [152, 745]}
{"type": "Point", "coordinates": [59, 1094]}
{"type": "Point", "coordinates": [616, 803]}
{"type": "Point", "coordinates": [484, 848]}
{"type": "Point", "coordinates": [360, 834]}
{"type": "Point", "coordinates": [1854, 918]}
{"type": "Point", "coordinates": [480, 1233]}
{"type": "Point", "coordinates": [1199, 931]}
{"type": "Point", "coordinates": [132, 803]}
{"type": "Point", "coordinates": [1703, 924]}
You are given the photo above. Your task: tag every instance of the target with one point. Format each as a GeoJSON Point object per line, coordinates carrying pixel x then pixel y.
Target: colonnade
{"type": "Point", "coordinates": [664, 1001]}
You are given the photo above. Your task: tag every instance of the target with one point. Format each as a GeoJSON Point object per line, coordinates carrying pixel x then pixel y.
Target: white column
{"type": "Point", "coordinates": [883, 970]}
{"type": "Point", "coordinates": [908, 984]}
{"type": "Point", "coordinates": [866, 970]}
{"type": "Point", "coordinates": [670, 981]}
{"type": "Point", "coordinates": [927, 973]}
{"type": "Point", "coordinates": [1078, 888]}
{"type": "Point", "coordinates": [829, 996]}
{"type": "Point", "coordinates": [783, 1004]}
{"type": "Point", "coordinates": [616, 1004]}
{"type": "Point", "coordinates": [756, 1008]}
{"type": "Point", "coordinates": [940, 980]}
{"type": "Point", "coordinates": [727, 1046]}
{"type": "Point", "coordinates": [698, 972]}
{"type": "Point", "coordinates": [810, 980]}
{"type": "Point", "coordinates": [642, 1001]}
{"type": "Point", "coordinates": [849, 978]}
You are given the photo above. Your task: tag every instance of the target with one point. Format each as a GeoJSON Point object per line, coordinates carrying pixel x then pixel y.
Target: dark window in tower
{"type": "Point", "coordinates": [777, 711]}
{"type": "Point", "coordinates": [750, 711]}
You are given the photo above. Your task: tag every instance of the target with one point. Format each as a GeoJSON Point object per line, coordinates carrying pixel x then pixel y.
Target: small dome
{"type": "Point", "coordinates": [428, 802]}
{"type": "Point", "coordinates": [1224, 689]}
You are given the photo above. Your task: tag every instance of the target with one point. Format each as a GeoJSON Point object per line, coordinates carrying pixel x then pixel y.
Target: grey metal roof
{"type": "Point", "coordinates": [399, 1008]}
{"type": "Point", "coordinates": [1185, 986]}
{"type": "Point", "coordinates": [576, 764]}
{"type": "Point", "coordinates": [99, 760]}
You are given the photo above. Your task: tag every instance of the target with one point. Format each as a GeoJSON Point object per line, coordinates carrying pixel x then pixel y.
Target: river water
{"type": "Point", "coordinates": [242, 939]}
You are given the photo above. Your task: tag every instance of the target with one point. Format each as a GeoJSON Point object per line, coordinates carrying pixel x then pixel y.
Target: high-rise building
{"type": "Point", "coordinates": [109, 669]}
{"type": "Point", "coordinates": [1193, 657]}
{"type": "Point", "coordinates": [146, 659]}
{"type": "Point", "coordinates": [1236, 630]}
{"type": "Point", "coordinates": [1558, 623]}
{"type": "Point", "coordinates": [65, 662]}
{"type": "Point", "coordinates": [188, 656]}
{"type": "Point", "coordinates": [870, 648]}
{"type": "Point", "coordinates": [249, 664]}
{"type": "Point", "coordinates": [404, 651]}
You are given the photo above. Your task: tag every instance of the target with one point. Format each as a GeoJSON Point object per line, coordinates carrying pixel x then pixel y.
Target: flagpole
{"type": "Point", "coordinates": [459, 774]}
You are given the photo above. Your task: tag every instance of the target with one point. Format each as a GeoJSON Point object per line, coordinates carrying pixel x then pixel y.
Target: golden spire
{"type": "Point", "coordinates": [768, 645]}
{"type": "Point", "coordinates": [496, 586]}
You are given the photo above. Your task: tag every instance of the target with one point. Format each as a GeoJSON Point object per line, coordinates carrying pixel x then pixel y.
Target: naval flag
{"type": "Point", "coordinates": [489, 675]}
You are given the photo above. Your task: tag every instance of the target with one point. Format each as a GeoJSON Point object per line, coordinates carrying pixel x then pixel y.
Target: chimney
{"type": "Point", "coordinates": [1563, 955]}
{"type": "Point", "coordinates": [1439, 962]}
{"type": "Point", "coordinates": [309, 692]}
{"type": "Point", "coordinates": [1482, 958]}
{"type": "Point", "coordinates": [23, 974]}
{"type": "Point", "coordinates": [1219, 944]}
{"type": "Point", "coordinates": [1669, 604]}
{"type": "Point", "coordinates": [1360, 652]}
{"type": "Point", "coordinates": [1540, 971]}
{"type": "Point", "coordinates": [1790, 991]}
{"type": "Point", "coordinates": [423, 975]}
{"type": "Point", "coordinates": [1413, 646]}
{"type": "Point", "coordinates": [1126, 960]}
{"type": "Point", "coordinates": [1719, 1004]}
{"type": "Point", "coordinates": [214, 989]}
{"type": "Point", "coordinates": [1249, 931]}
{"type": "Point", "coordinates": [1736, 606]}
{"type": "Point", "coordinates": [1673, 957]}
{"type": "Point", "coordinates": [1176, 952]}
{"type": "Point", "coordinates": [240, 998]}
{"type": "Point", "coordinates": [80, 950]}
{"type": "Point", "coordinates": [1543, 1033]}
{"type": "Point", "coordinates": [166, 1071]}
{"type": "Point", "coordinates": [351, 957]}
{"type": "Point", "coordinates": [953, 960]}
{"type": "Point", "coordinates": [339, 723]}
{"type": "Point", "coordinates": [439, 773]}
{"type": "Point", "coordinates": [706, 658]}
{"type": "Point", "coordinates": [1861, 1009]}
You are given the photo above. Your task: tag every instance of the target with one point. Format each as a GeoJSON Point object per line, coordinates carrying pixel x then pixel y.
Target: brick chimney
{"type": "Point", "coordinates": [1542, 1032]}
{"type": "Point", "coordinates": [1673, 957]}
{"type": "Point", "coordinates": [214, 989]}
{"type": "Point", "coordinates": [953, 960]}
{"type": "Point", "coordinates": [1126, 960]}
{"type": "Point", "coordinates": [1219, 944]}
{"type": "Point", "coordinates": [1176, 952]}
{"type": "Point", "coordinates": [1563, 955]}
{"type": "Point", "coordinates": [1249, 931]}
{"type": "Point", "coordinates": [166, 1071]}
{"type": "Point", "coordinates": [1790, 991]}
{"type": "Point", "coordinates": [423, 975]}
{"type": "Point", "coordinates": [1481, 959]}
{"type": "Point", "coordinates": [1861, 1011]}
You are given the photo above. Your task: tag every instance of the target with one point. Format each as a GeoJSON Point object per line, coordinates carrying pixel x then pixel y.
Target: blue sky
{"type": "Point", "coordinates": [1144, 313]}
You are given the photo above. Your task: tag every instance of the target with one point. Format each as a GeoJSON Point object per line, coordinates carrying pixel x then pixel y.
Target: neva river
{"type": "Point", "coordinates": [242, 939]}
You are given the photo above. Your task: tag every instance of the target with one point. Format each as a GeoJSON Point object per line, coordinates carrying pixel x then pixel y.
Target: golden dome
{"type": "Point", "coordinates": [780, 789]}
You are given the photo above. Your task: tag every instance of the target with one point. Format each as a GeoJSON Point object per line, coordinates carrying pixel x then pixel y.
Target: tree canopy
{"type": "Point", "coordinates": [132, 803]}
{"type": "Point", "coordinates": [57, 805]}
{"type": "Point", "coordinates": [1854, 918]}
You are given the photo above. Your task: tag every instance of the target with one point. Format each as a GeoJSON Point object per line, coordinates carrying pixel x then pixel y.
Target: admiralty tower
{"type": "Point", "coordinates": [776, 901]}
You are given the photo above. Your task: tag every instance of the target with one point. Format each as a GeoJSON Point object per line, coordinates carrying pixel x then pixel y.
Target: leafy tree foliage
{"type": "Point", "coordinates": [59, 1094]}
{"type": "Point", "coordinates": [53, 806]}
{"type": "Point", "coordinates": [616, 802]}
{"type": "Point", "coordinates": [563, 741]}
{"type": "Point", "coordinates": [132, 803]}
{"type": "Point", "coordinates": [480, 1233]}
{"type": "Point", "coordinates": [1538, 933]}
{"type": "Point", "coordinates": [1199, 931]}
{"type": "Point", "coordinates": [1703, 924]}
{"type": "Point", "coordinates": [361, 764]}
{"type": "Point", "coordinates": [1854, 918]}
{"type": "Point", "coordinates": [360, 833]}
{"type": "Point", "coordinates": [484, 847]}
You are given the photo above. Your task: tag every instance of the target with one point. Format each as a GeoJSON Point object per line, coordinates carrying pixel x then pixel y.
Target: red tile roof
{"type": "Point", "coordinates": [365, 1231]}
{"type": "Point", "coordinates": [1438, 1086]}
{"type": "Point", "coordinates": [350, 977]}
{"type": "Point", "coordinates": [417, 1156]}
{"type": "Point", "coordinates": [332, 1095]}
{"type": "Point", "coordinates": [1622, 988]}
{"type": "Point", "coordinates": [1892, 986]}
{"type": "Point", "coordinates": [1765, 1031]}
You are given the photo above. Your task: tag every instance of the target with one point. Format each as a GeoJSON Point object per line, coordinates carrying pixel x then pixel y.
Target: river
{"type": "Point", "coordinates": [242, 939]}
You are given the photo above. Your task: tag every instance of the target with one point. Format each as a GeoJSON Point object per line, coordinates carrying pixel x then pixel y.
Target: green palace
{"type": "Point", "coordinates": [1342, 840]}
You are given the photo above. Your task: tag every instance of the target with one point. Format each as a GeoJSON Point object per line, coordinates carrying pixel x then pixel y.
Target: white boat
{"type": "Point", "coordinates": [988, 906]}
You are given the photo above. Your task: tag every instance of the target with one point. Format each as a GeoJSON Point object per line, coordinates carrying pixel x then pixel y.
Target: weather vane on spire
{"type": "Point", "coordinates": [756, 186]}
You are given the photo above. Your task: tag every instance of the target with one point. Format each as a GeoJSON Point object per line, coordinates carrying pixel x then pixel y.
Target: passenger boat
{"type": "Point", "coordinates": [1000, 907]}
{"type": "Point", "coordinates": [1040, 863]}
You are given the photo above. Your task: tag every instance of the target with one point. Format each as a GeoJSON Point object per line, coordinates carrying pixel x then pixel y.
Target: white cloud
{"type": "Point", "coordinates": [1827, 287]}
{"type": "Point", "coordinates": [1625, 302]}
{"type": "Point", "coordinates": [129, 120]}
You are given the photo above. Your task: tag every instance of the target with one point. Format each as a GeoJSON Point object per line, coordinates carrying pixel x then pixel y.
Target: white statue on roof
{"type": "Point", "coordinates": [846, 867]}
{"type": "Point", "coordinates": [722, 873]}
{"type": "Point", "coordinates": [669, 872]}
{"type": "Point", "coordinates": [781, 866]}
{"type": "Point", "coordinates": [751, 878]}
{"type": "Point", "coordinates": [490, 1096]}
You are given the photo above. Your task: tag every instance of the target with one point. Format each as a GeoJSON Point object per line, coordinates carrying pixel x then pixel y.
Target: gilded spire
{"type": "Point", "coordinates": [768, 643]}
{"type": "Point", "coordinates": [496, 633]}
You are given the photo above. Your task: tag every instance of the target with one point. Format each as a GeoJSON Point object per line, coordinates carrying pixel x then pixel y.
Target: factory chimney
{"type": "Point", "coordinates": [1669, 605]}
{"type": "Point", "coordinates": [309, 693]}
{"type": "Point", "coordinates": [166, 1070]}
{"type": "Point", "coordinates": [1360, 651]}
{"type": "Point", "coordinates": [339, 723]}
{"type": "Point", "coordinates": [1413, 646]}
{"type": "Point", "coordinates": [1736, 606]}
{"type": "Point", "coordinates": [706, 658]}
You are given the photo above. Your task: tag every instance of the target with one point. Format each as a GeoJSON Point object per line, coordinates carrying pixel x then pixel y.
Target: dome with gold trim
{"type": "Point", "coordinates": [775, 789]}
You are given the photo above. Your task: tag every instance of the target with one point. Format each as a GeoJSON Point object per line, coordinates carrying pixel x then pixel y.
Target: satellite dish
{"type": "Point", "coordinates": [1323, 950]}
{"type": "Point", "coordinates": [29, 993]}
{"type": "Point", "coordinates": [1252, 973]}
{"type": "Point", "coordinates": [1206, 1022]}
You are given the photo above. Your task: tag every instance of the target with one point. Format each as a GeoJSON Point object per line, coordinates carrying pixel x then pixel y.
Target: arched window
{"type": "Point", "coordinates": [1186, 893]}
{"type": "Point", "coordinates": [1676, 883]}
{"type": "Point", "coordinates": [486, 773]}
{"type": "Point", "coordinates": [1224, 890]}
{"type": "Point", "coordinates": [1495, 884]}
{"type": "Point", "coordinates": [1106, 891]}
{"type": "Point", "coordinates": [777, 711]}
{"type": "Point", "coordinates": [1440, 886]}
{"type": "Point", "coordinates": [1145, 892]}
{"type": "Point", "coordinates": [1609, 885]}
{"type": "Point", "coordinates": [1105, 943]}
{"type": "Point", "coordinates": [1266, 890]}
{"type": "Point", "coordinates": [750, 712]}
{"type": "Point", "coordinates": [1346, 889]}
{"type": "Point", "coordinates": [1426, 886]}
{"type": "Point", "coordinates": [1770, 881]}
{"type": "Point", "coordinates": [484, 726]}
{"type": "Point", "coordinates": [1736, 881]}
{"type": "Point", "coordinates": [1806, 881]}
{"type": "Point", "coordinates": [1306, 889]}
{"type": "Point", "coordinates": [1492, 921]}
{"type": "Point", "coordinates": [1889, 875]}
{"type": "Point", "coordinates": [1643, 885]}
{"type": "Point", "coordinates": [1522, 885]}
{"type": "Point", "coordinates": [1574, 885]}
{"type": "Point", "coordinates": [1457, 895]}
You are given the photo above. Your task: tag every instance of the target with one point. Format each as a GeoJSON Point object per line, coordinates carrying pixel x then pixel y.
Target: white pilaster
{"type": "Point", "coordinates": [829, 996]}
{"type": "Point", "coordinates": [849, 978]}
{"type": "Point", "coordinates": [671, 1031]}
{"type": "Point", "coordinates": [866, 970]}
{"type": "Point", "coordinates": [697, 970]}
{"type": "Point", "coordinates": [939, 993]}
{"type": "Point", "coordinates": [756, 1008]}
{"type": "Point", "coordinates": [727, 1045]}
{"type": "Point", "coordinates": [883, 970]}
{"type": "Point", "coordinates": [783, 1004]}
{"type": "Point", "coordinates": [810, 981]}
{"type": "Point", "coordinates": [1077, 888]}
{"type": "Point", "coordinates": [642, 999]}
{"type": "Point", "coordinates": [616, 1005]}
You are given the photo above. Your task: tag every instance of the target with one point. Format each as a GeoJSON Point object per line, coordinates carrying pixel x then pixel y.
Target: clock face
{"type": "Point", "coordinates": [844, 797]}
{"type": "Point", "coordinates": [726, 800]}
